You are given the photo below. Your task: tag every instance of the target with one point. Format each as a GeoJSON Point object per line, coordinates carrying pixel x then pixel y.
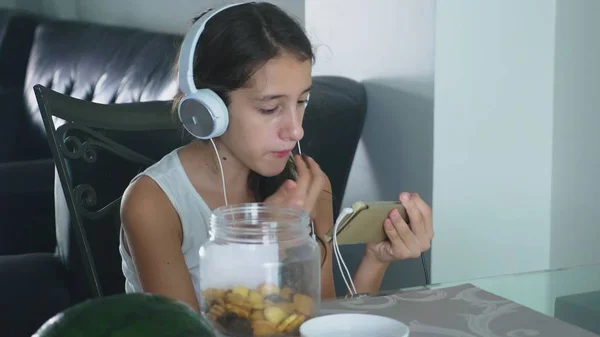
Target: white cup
{"type": "Point", "coordinates": [353, 325]}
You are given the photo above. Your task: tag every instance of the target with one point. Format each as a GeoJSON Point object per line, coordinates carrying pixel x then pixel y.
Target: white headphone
{"type": "Point", "coordinates": [201, 111]}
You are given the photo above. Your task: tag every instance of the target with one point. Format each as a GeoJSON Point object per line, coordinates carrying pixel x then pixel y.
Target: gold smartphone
{"type": "Point", "coordinates": [365, 223]}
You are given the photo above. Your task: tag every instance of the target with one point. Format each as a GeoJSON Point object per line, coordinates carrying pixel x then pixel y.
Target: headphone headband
{"type": "Point", "coordinates": [188, 47]}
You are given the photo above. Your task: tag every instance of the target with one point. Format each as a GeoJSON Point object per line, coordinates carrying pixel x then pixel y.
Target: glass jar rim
{"type": "Point", "coordinates": [245, 221]}
{"type": "Point", "coordinates": [221, 212]}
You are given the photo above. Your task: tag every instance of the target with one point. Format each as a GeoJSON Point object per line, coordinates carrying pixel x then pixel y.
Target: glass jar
{"type": "Point", "coordinates": [260, 271]}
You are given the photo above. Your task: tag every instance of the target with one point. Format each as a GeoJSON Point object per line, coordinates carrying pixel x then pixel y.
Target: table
{"type": "Point", "coordinates": [558, 302]}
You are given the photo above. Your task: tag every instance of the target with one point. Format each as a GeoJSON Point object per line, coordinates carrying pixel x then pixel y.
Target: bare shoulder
{"type": "Point", "coordinates": [153, 238]}
{"type": "Point", "coordinates": [145, 204]}
{"type": "Point", "coordinates": [143, 191]}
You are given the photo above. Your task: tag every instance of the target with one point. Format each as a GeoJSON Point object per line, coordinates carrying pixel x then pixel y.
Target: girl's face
{"type": "Point", "coordinates": [265, 117]}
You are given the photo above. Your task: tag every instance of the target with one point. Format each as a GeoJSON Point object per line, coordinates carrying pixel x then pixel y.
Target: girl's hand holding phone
{"type": "Point", "coordinates": [405, 241]}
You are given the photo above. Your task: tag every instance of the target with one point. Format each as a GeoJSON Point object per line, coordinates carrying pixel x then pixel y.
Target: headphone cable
{"type": "Point", "coordinates": [425, 269]}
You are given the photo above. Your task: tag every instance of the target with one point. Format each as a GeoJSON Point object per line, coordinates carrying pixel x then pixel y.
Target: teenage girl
{"type": "Point", "coordinates": [258, 60]}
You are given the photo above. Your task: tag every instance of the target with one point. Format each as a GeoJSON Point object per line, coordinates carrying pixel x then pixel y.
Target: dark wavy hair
{"type": "Point", "coordinates": [235, 43]}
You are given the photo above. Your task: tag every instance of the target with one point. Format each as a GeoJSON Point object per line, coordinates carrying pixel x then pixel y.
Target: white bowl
{"type": "Point", "coordinates": [353, 325]}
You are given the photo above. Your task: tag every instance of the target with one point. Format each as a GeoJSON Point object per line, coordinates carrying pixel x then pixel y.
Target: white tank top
{"type": "Point", "coordinates": [193, 212]}
{"type": "Point", "coordinates": [194, 215]}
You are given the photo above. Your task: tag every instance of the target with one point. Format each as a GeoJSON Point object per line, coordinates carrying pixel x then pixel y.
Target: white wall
{"type": "Point", "coordinates": [516, 169]}
{"type": "Point", "coordinates": [494, 89]}
{"type": "Point", "coordinates": [576, 164]}
{"type": "Point", "coordinates": [154, 15]}
{"type": "Point", "coordinates": [389, 46]}
{"type": "Point", "coordinates": [489, 177]}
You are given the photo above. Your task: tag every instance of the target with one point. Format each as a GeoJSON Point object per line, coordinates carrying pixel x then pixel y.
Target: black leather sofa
{"type": "Point", "coordinates": [40, 267]}
{"type": "Point", "coordinates": [26, 167]}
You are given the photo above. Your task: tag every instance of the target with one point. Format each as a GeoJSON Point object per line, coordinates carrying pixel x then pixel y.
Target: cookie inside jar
{"type": "Point", "coordinates": [267, 310]}
{"type": "Point", "coordinates": [259, 273]}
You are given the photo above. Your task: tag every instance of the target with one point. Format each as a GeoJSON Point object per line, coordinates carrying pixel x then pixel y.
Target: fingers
{"type": "Point", "coordinates": [304, 175]}
{"type": "Point", "coordinates": [396, 247]}
{"type": "Point", "coordinates": [310, 183]}
{"type": "Point", "coordinates": [417, 220]}
{"type": "Point", "coordinates": [404, 242]}
{"type": "Point", "coordinates": [307, 188]}
{"type": "Point", "coordinates": [283, 193]}
{"type": "Point", "coordinates": [426, 214]}
{"type": "Point", "coordinates": [317, 183]}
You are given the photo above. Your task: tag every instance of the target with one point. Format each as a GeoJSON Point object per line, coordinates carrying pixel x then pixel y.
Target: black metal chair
{"type": "Point", "coordinates": [99, 148]}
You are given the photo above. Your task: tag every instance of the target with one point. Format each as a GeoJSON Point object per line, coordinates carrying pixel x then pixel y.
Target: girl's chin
{"type": "Point", "coordinates": [270, 170]}
{"type": "Point", "coordinates": [269, 173]}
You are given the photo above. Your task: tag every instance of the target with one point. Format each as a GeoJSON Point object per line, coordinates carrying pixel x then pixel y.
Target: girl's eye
{"type": "Point", "coordinates": [304, 102]}
{"type": "Point", "coordinates": [269, 111]}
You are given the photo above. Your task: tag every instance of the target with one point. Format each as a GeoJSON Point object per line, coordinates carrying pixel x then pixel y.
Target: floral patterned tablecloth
{"type": "Point", "coordinates": [460, 311]}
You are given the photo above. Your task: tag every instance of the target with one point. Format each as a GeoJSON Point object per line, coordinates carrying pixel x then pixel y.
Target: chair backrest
{"type": "Point", "coordinates": [99, 148]}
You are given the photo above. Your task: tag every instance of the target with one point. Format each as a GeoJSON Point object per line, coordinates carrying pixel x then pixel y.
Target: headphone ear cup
{"type": "Point", "coordinates": [203, 114]}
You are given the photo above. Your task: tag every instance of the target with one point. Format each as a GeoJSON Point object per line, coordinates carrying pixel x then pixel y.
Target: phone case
{"type": "Point", "coordinates": [365, 223]}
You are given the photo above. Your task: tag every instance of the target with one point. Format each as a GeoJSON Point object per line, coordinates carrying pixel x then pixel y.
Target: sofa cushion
{"type": "Point", "coordinates": [97, 63]}
{"type": "Point", "coordinates": [16, 38]}
{"type": "Point", "coordinates": [33, 288]}
{"type": "Point", "coordinates": [28, 207]}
